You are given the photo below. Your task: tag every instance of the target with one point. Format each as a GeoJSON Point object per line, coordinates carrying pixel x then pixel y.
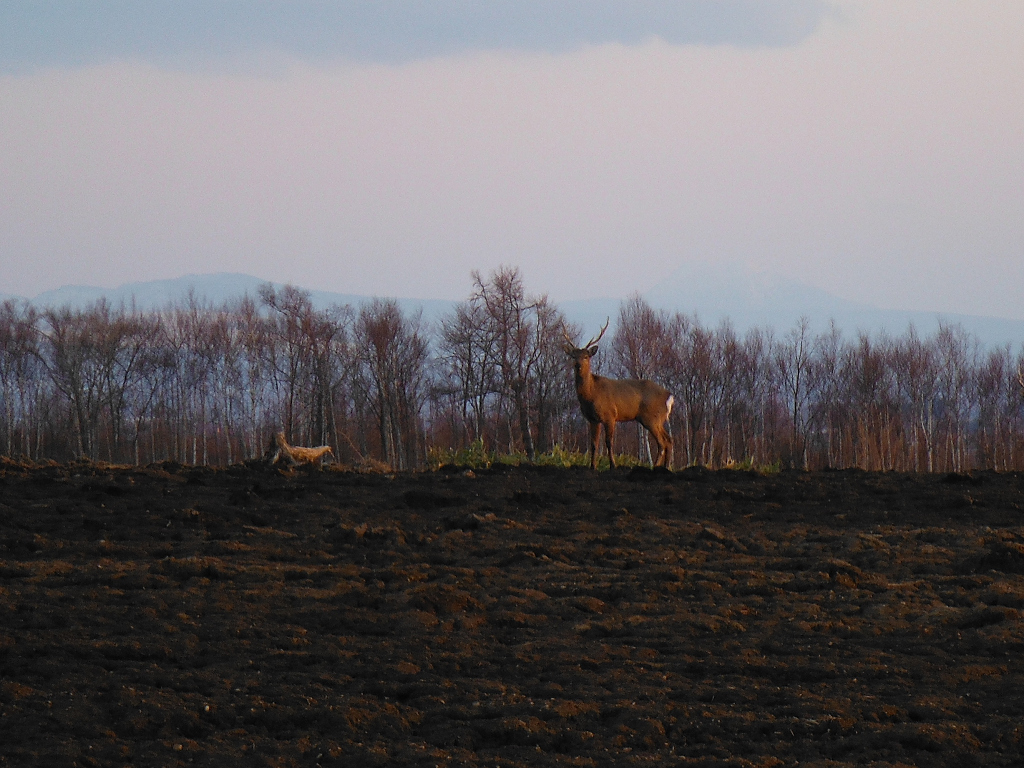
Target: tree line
{"type": "Point", "coordinates": [211, 384]}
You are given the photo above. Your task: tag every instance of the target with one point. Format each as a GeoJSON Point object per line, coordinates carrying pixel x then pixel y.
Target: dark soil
{"type": "Point", "coordinates": [181, 616]}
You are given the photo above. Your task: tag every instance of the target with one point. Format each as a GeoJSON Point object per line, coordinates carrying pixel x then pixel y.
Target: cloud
{"type": "Point", "coordinates": [880, 160]}
{"type": "Point", "coordinates": [36, 34]}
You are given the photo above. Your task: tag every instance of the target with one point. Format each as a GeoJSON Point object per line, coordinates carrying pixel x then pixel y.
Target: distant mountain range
{"type": "Point", "coordinates": [765, 299]}
{"type": "Point", "coordinates": [745, 298]}
{"type": "Point", "coordinates": [215, 289]}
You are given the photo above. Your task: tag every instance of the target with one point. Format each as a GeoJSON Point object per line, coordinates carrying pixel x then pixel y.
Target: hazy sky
{"type": "Point", "coordinates": [873, 149]}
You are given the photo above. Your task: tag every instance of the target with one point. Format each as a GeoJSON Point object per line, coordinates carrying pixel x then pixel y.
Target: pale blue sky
{"type": "Point", "coordinates": [36, 33]}
{"type": "Point", "coordinates": [871, 148]}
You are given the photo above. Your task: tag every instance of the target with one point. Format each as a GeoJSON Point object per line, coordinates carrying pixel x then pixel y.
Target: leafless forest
{"type": "Point", "coordinates": [208, 385]}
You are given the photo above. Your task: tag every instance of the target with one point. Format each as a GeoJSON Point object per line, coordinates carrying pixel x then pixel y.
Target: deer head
{"type": "Point", "coordinates": [581, 355]}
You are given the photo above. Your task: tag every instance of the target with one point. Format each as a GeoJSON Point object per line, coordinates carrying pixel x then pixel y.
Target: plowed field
{"type": "Point", "coordinates": [173, 615]}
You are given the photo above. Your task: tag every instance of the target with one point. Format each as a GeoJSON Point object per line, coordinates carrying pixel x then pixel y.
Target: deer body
{"type": "Point", "coordinates": [607, 401]}
{"type": "Point", "coordinates": [293, 455]}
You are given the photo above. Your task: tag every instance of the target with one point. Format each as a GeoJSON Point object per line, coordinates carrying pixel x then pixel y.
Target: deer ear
{"type": "Point", "coordinates": [592, 351]}
{"type": "Point", "coordinates": [569, 349]}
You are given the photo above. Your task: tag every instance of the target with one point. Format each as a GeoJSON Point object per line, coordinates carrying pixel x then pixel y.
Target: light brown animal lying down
{"type": "Point", "coordinates": [293, 455]}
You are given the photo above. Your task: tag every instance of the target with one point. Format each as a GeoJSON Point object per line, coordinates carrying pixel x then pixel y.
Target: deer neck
{"type": "Point", "coordinates": [584, 379]}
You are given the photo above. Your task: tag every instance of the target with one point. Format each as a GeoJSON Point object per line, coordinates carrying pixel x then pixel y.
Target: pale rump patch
{"type": "Point", "coordinates": [668, 405]}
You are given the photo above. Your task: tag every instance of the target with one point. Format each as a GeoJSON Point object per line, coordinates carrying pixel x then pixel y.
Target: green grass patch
{"type": "Point", "coordinates": [476, 456]}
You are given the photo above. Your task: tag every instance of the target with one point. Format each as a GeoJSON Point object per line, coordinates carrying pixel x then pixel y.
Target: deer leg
{"type": "Point", "coordinates": [609, 436]}
{"type": "Point", "coordinates": [664, 444]}
{"type": "Point", "coordinates": [595, 429]}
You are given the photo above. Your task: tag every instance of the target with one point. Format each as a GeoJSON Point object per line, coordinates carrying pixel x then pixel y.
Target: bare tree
{"type": "Point", "coordinates": [391, 375]}
{"type": "Point", "coordinates": [694, 365]}
{"type": "Point", "coordinates": [917, 381]}
{"type": "Point", "coordinates": [468, 369]}
{"type": "Point", "coordinates": [17, 353]}
{"type": "Point", "coordinates": [190, 343]}
{"type": "Point", "coordinates": [512, 319]}
{"type": "Point", "coordinates": [313, 344]}
{"type": "Point", "coordinates": [867, 368]}
{"type": "Point", "coordinates": [957, 354]}
{"type": "Point", "coordinates": [72, 352]}
{"type": "Point", "coordinates": [290, 306]}
{"type": "Point", "coordinates": [757, 396]}
{"type": "Point", "coordinates": [127, 344]}
{"type": "Point", "coordinates": [551, 391]}
{"type": "Point", "coordinates": [793, 363]}
{"type": "Point", "coordinates": [828, 395]}
{"type": "Point", "coordinates": [253, 372]}
{"type": "Point", "coordinates": [996, 389]}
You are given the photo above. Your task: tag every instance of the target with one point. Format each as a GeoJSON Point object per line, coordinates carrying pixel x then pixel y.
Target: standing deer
{"type": "Point", "coordinates": [607, 401]}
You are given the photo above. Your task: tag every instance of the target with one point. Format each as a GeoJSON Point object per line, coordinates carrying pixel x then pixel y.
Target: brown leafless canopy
{"type": "Point", "coordinates": [210, 384]}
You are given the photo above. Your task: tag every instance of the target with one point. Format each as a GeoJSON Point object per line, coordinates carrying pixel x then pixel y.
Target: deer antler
{"type": "Point", "coordinates": [568, 338]}
{"type": "Point", "coordinates": [592, 342]}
